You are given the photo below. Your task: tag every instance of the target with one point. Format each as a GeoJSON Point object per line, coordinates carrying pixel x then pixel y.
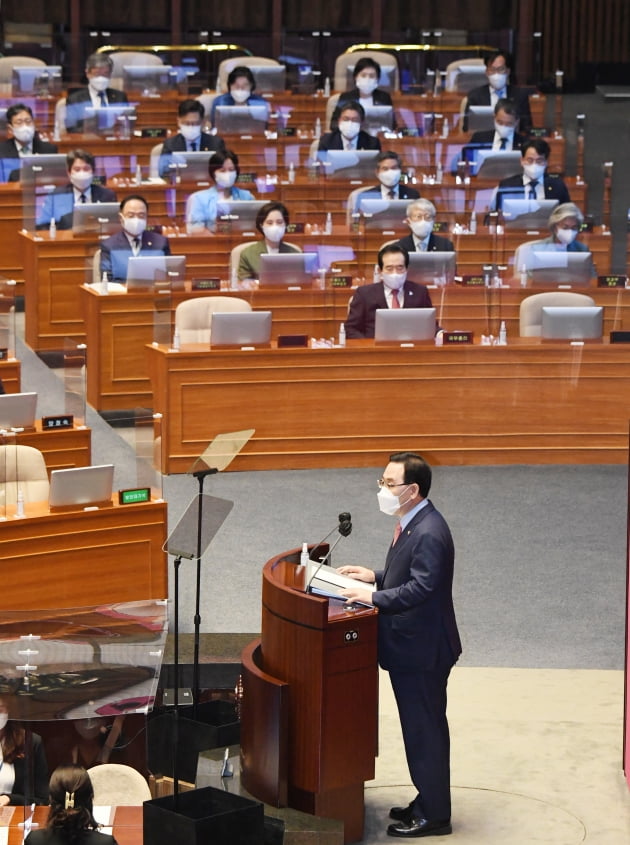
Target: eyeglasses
{"type": "Point", "coordinates": [389, 484]}
{"type": "Point", "coordinates": [22, 121]}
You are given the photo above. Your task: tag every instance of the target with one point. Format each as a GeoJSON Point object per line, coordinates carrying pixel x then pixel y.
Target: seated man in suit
{"type": "Point", "coordinates": [133, 239]}
{"type": "Point", "coordinates": [348, 135]}
{"type": "Point", "coordinates": [388, 173]}
{"type": "Point", "coordinates": [498, 65]}
{"type": "Point", "coordinates": [22, 140]}
{"type": "Point", "coordinates": [505, 135]}
{"type": "Point", "coordinates": [393, 290]}
{"type": "Point", "coordinates": [190, 137]}
{"type": "Point", "coordinates": [421, 218]}
{"type": "Point", "coordinates": [60, 203]}
{"type": "Point", "coordinates": [366, 75]}
{"type": "Point", "coordinates": [97, 93]}
{"type": "Point", "coordinates": [533, 182]}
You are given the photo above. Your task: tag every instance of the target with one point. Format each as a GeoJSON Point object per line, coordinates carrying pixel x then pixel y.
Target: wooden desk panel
{"type": "Point", "coordinates": [84, 558]}
{"type": "Point", "coordinates": [523, 403]}
{"type": "Point", "coordinates": [11, 375]}
{"type": "Point", "coordinates": [126, 823]}
{"type": "Point", "coordinates": [62, 448]}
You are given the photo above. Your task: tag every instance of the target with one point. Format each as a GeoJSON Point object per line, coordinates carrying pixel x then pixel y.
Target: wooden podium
{"type": "Point", "coordinates": [309, 713]}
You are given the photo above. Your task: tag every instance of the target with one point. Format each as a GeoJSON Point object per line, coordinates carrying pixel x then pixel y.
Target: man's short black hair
{"type": "Point", "coordinates": [16, 108]}
{"type": "Point", "coordinates": [134, 197]}
{"type": "Point", "coordinates": [538, 144]}
{"type": "Point", "coordinates": [506, 105]}
{"type": "Point", "coordinates": [347, 105]}
{"type": "Point", "coordinates": [383, 156]}
{"type": "Point", "coordinates": [394, 248]}
{"type": "Point", "coordinates": [80, 155]}
{"type": "Point", "coordinates": [417, 470]}
{"type": "Point", "coordinates": [496, 54]}
{"type": "Point", "coordinates": [189, 106]}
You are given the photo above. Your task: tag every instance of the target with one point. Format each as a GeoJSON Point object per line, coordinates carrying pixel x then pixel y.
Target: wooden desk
{"type": "Point", "coordinates": [522, 403]}
{"type": "Point", "coordinates": [11, 375]}
{"type": "Point", "coordinates": [62, 448]}
{"type": "Point", "coordinates": [82, 558]}
{"type": "Point", "coordinates": [126, 823]}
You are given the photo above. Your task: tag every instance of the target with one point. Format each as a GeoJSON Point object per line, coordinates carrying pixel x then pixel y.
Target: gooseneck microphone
{"type": "Point", "coordinates": [345, 529]}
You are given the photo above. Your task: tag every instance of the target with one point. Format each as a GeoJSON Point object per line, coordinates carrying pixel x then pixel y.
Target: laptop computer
{"type": "Point", "coordinates": [81, 486]}
{"type": "Point", "coordinates": [288, 269]}
{"type": "Point", "coordinates": [17, 410]}
{"type": "Point", "coordinates": [238, 215]}
{"type": "Point", "coordinates": [497, 164]}
{"type": "Point", "coordinates": [240, 328]}
{"type": "Point", "coordinates": [106, 119]}
{"type": "Point", "coordinates": [241, 120]}
{"type": "Point", "coordinates": [378, 119]}
{"type": "Point", "coordinates": [99, 218]}
{"type": "Point", "coordinates": [562, 322]}
{"type": "Point", "coordinates": [551, 268]}
{"type": "Point", "coordinates": [146, 271]}
{"type": "Point", "coordinates": [191, 168]}
{"type": "Point", "coordinates": [432, 268]}
{"type": "Point", "coordinates": [384, 215]}
{"type": "Point", "coordinates": [348, 164]}
{"type": "Point", "coordinates": [269, 78]}
{"type": "Point", "coordinates": [404, 325]}
{"type": "Point", "coordinates": [520, 213]}
{"type": "Point", "coordinates": [480, 118]}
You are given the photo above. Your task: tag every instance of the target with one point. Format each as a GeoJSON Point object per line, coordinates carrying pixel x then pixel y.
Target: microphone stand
{"type": "Point", "coordinates": [200, 475]}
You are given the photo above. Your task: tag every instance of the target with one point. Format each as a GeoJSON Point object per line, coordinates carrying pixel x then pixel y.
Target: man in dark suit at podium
{"type": "Point", "coordinates": [418, 640]}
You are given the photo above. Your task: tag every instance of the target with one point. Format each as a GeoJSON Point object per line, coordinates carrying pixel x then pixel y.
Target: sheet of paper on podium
{"type": "Point", "coordinates": [326, 581]}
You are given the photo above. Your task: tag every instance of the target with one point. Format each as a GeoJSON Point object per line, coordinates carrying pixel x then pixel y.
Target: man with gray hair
{"type": "Point", "coordinates": [420, 218]}
{"type": "Point", "coordinates": [97, 93]}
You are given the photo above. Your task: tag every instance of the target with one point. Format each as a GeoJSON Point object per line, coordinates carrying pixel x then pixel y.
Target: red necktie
{"type": "Point", "coordinates": [397, 531]}
{"type": "Point", "coordinates": [395, 301]}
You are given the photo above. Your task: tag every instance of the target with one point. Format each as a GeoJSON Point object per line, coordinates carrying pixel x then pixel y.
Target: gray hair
{"type": "Point", "coordinates": [564, 210]}
{"type": "Point", "coordinates": [422, 205]}
{"type": "Point", "coordinates": [99, 60]}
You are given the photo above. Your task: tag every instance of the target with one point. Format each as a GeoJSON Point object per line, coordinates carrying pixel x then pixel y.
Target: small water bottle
{"type": "Point", "coordinates": [445, 128]}
{"type": "Point", "coordinates": [523, 276]}
{"type": "Point", "coordinates": [376, 274]}
{"type": "Point", "coordinates": [52, 229]}
{"type": "Point", "coordinates": [304, 555]}
{"type": "Point", "coordinates": [318, 127]}
{"type": "Point", "coordinates": [502, 334]}
{"type": "Point", "coordinates": [138, 175]}
{"type": "Point", "coordinates": [176, 341]}
{"type": "Point", "coordinates": [439, 173]}
{"type": "Point", "coordinates": [327, 87]}
{"type": "Point", "coordinates": [104, 282]}
{"type": "Point", "coordinates": [473, 224]}
{"type": "Point", "coordinates": [342, 334]}
{"type": "Point", "coordinates": [19, 506]}
{"type": "Point", "coordinates": [328, 226]}
{"type": "Point", "coordinates": [291, 175]}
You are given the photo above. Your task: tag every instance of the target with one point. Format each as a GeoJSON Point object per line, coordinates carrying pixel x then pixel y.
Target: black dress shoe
{"type": "Point", "coordinates": [420, 827]}
{"type": "Point", "coordinates": [402, 814]}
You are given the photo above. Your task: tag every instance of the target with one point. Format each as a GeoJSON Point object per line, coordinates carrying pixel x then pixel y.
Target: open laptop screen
{"type": "Point", "coordinates": [81, 486]}
{"type": "Point", "coordinates": [240, 328]}
{"type": "Point", "coordinates": [401, 325]}
{"type": "Point", "coordinates": [290, 269]}
{"type": "Point", "coordinates": [17, 410]}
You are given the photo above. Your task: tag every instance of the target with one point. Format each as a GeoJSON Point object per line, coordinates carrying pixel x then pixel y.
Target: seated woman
{"type": "Point", "coordinates": [366, 74]}
{"type": "Point", "coordinates": [565, 222]}
{"type": "Point", "coordinates": [70, 819]}
{"type": "Point", "coordinates": [271, 221]}
{"type": "Point", "coordinates": [202, 205]}
{"type": "Point", "coordinates": [241, 85]}
{"type": "Point", "coordinates": [15, 787]}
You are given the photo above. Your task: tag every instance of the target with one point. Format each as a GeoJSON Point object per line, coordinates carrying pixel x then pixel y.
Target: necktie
{"type": "Point", "coordinates": [395, 300]}
{"type": "Point", "coordinates": [193, 146]}
{"type": "Point", "coordinates": [397, 531]}
{"type": "Point", "coordinates": [503, 143]}
{"type": "Point", "coordinates": [532, 189]}
{"type": "Point", "coordinates": [390, 194]}
{"type": "Point", "coordinates": [136, 246]}
{"type": "Point", "coordinates": [102, 98]}
{"type": "Point", "coordinates": [82, 198]}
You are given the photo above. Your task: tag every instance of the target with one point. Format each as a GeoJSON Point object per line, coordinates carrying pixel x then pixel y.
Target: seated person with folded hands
{"type": "Point", "coordinates": [133, 239]}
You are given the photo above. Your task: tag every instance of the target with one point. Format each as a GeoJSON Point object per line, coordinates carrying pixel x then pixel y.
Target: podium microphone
{"type": "Point", "coordinates": [345, 529]}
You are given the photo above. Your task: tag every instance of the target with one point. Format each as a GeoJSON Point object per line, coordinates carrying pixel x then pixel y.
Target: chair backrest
{"type": "Point", "coordinates": [7, 63]}
{"type": "Point", "coordinates": [352, 203]}
{"type": "Point", "coordinates": [115, 784]}
{"type": "Point", "coordinates": [193, 317]}
{"type": "Point", "coordinates": [154, 161]}
{"type": "Point", "coordinates": [530, 315]}
{"type": "Point", "coordinates": [130, 57]}
{"type": "Point", "coordinates": [331, 105]}
{"type": "Point", "coordinates": [60, 115]}
{"type": "Point", "coordinates": [228, 65]}
{"type": "Point", "coordinates": [346, 60]}
{"type": "Point", "coordinates": [453, 68]}
{"type": "Point", "coordinates": [23, 467]}
{"type": "Point", "coordinates": [206, 101]}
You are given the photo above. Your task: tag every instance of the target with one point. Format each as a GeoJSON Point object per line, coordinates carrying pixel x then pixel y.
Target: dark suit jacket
{"type": "Point", "coordinates": [11, 158]}
{"type": "Point", "coordinates": [380, 98]}
{"type": "Point", "coordinates": [486, 138]}
{"type": "Point", "coordinates": [80, 99]}
{"type": "Point", "coordinates": [48, 836]}
{"type": "Point", "coordinates": [436, 244]}
{"type": "Point", "coordinates": [417, 629]}
{"type": "Point", "coordinates": [481, 97]}
{"type": "Point", "coordinates": [555, 189]}
{"type": "Point", "coordinates": [366, 300]}
{"type": "Point", "coordinates": [60, 205]}
{"type": "Point", "coordinates": [116, 251]}
{"type": "Point", "coordinates": [333, 141]}
{"type": "Point", "coordinates": [177, 144]}
{"type": "Point", "coordinates": [21, 794]}
{"type": "Point", "coordinates": [404, 192]}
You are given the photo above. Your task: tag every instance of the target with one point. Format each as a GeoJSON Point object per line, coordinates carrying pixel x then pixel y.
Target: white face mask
{"type": "Point", "coordinates": [24, 134]}
{"type": "Point", "coordinates": [389, 178]}
{"type": "Point", "coordinates": [134, 226]}
{"type": "Point", "coordinates": [421, 228]}
{"type": "Point", "coordinates": [225, 178]}
{"type": "Point", "coordinates": [190, 133]}
{"type": "Point", "coordinates": [349, 129]}
{"type": "Point", "coordinates": [99, 83]}
{"type": "Point", "coordinates": [4, 718]}
{"type": "Point", "coordinates": [502, 130]}
{"type": "Point", "coordinates": [388, 502]}
{"type": "Point", "coordinates": [534, 171]}
{"type": "Point", "coordinates": [566, 236]}
{"type": "Point", "coordinates": [366, 85]}
{"type": "Point", "coordinates": [498, 80]}
{"type": "Point", "coordinates": [81, 180]}
{"type": "Point", "coordinates": [240, 95]}
{"type": "Point", "coordinates": [274, 232]}
{"type": "Point", "coordinates": [394, 281]}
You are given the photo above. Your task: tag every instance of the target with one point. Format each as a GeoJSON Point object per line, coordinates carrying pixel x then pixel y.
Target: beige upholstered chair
{"type": "Point", "coordinates": [349, 60]}
{"type": "Point", "coordinates": [193, 317]}
{"type": "Point", "coordinates": [235, 255]}
{"type": "Point", "coordinates": [7, 63]}
{"type": "Point", "coordinates": [154, 161]}
{"type": "Point", "coordinates": [128, 58]}
{"type": "Point", "coordinates": [331, 105]}
{"type": "Point", "coordinates": [112, 287]}
{"type": "Point", "coordinates": [23, 467]}
{"type": "Point", "coordinates": [227, 65]}
{"type": "Point", "coordinates": [115, 784]}
{"type": "Point", "coordinates": [452, 73]}
{"type": "Point", "coordinates": [60, 115]}
{"type": "Point", "coordinates": [530, 316]}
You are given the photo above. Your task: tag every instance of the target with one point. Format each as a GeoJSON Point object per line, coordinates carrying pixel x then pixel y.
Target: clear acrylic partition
{"type": "Point", "coordinates": [7, 319]}
{"type": "Point", "coordinates": [39, 176]}
{"type": "Point", "coordinates": [163, 314]}
{"type": "Point", "coordinates": [75, 380]}
{"type": "Point", "coordinates": [143, 437]}
{"type": "Point", "coordinates": [8, 474]}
